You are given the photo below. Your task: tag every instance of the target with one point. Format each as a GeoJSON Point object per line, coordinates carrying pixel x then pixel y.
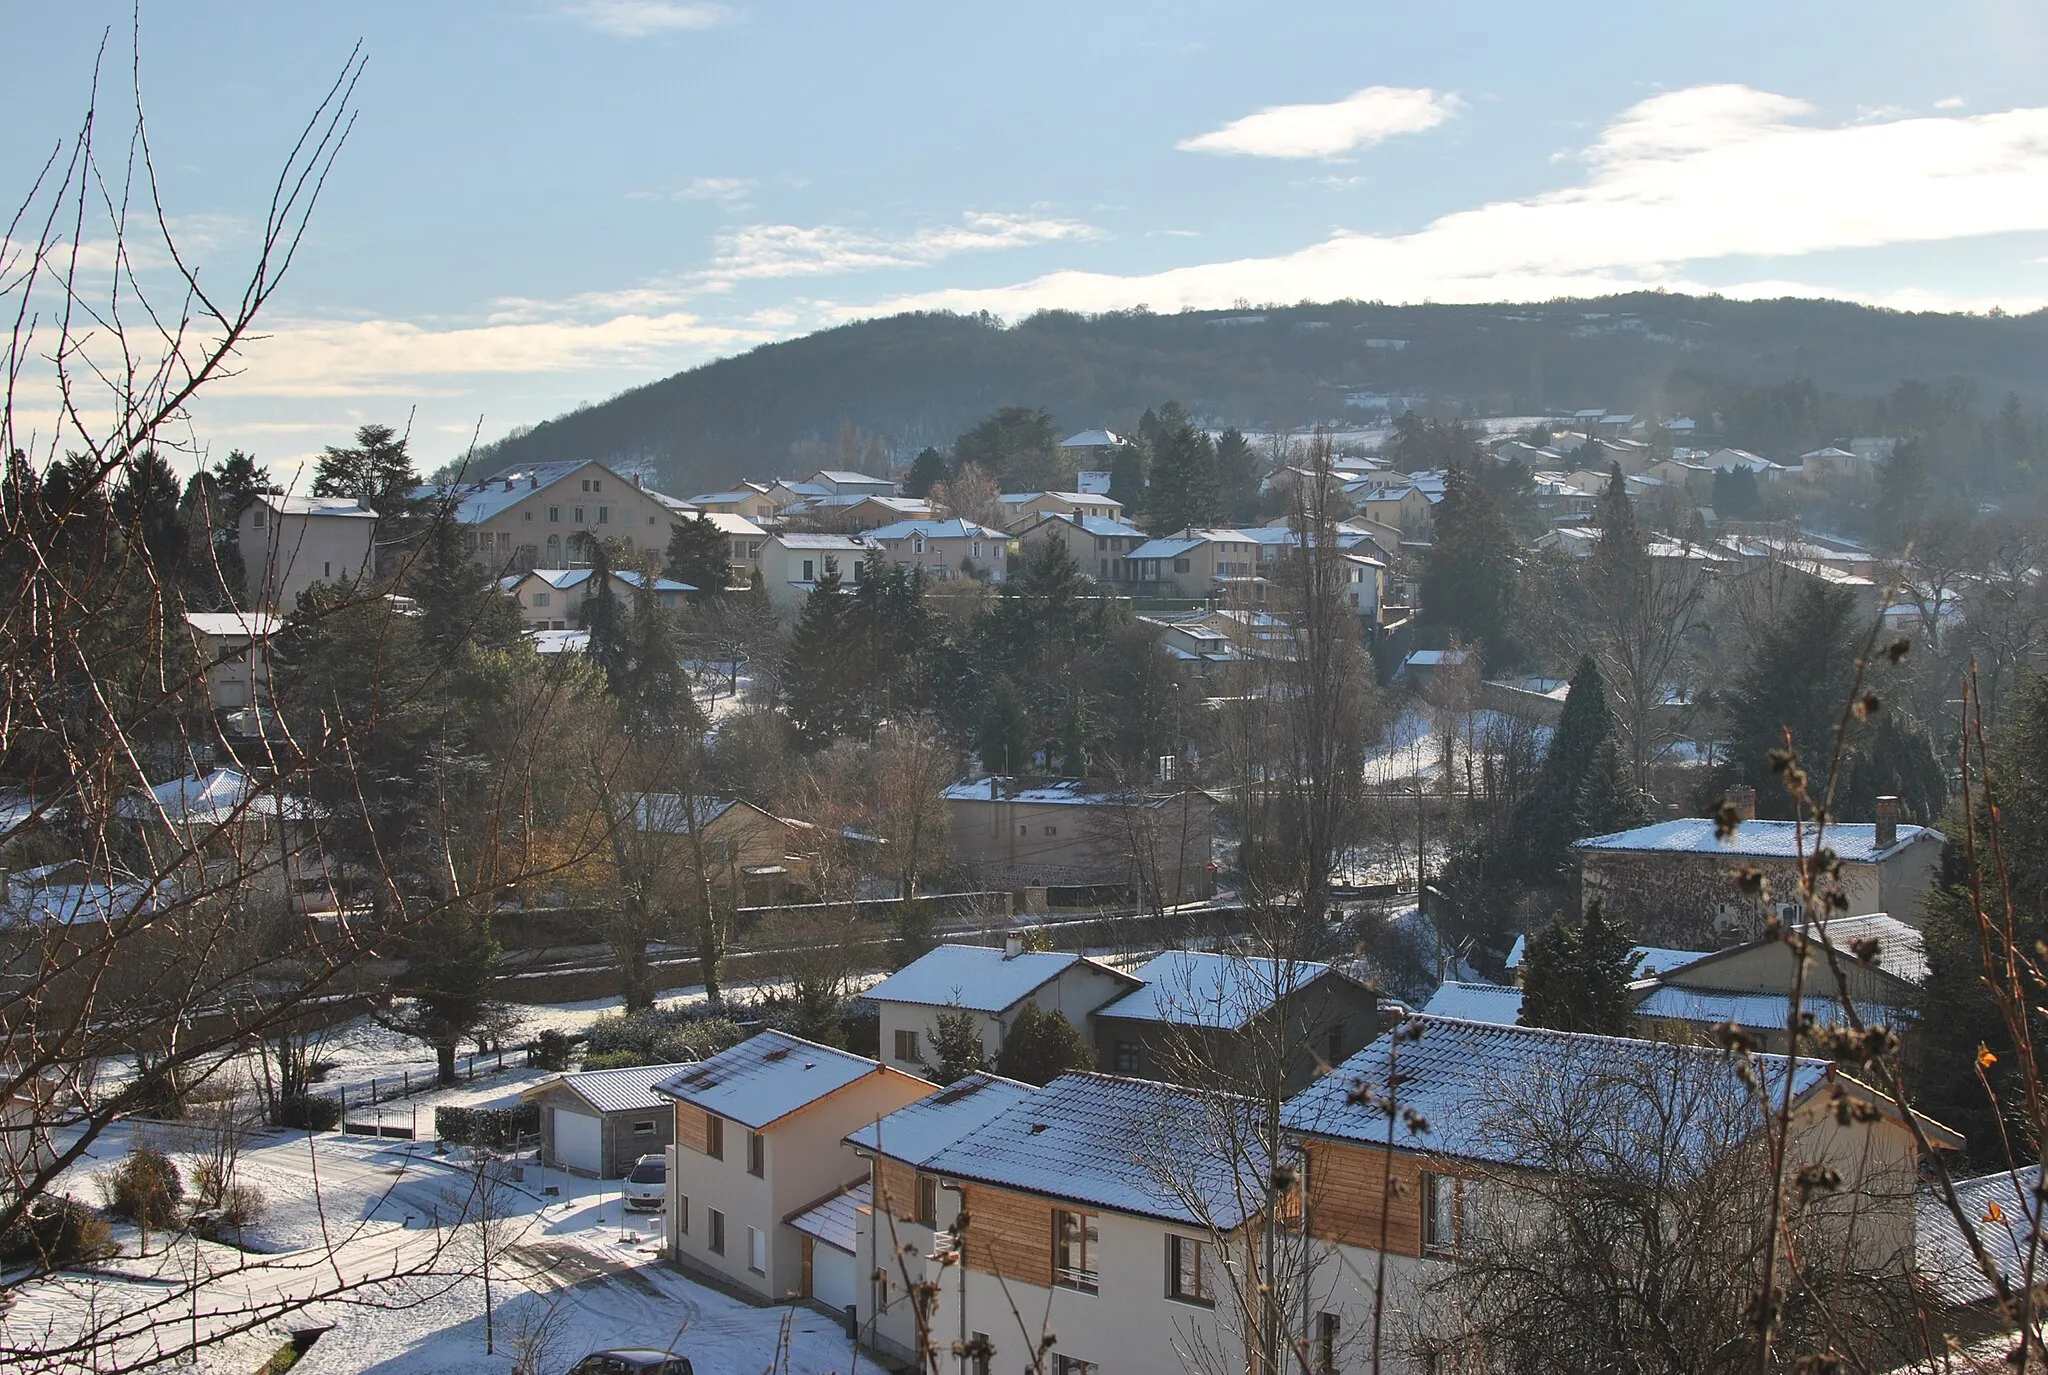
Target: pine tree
{"type": "Point", "coordinates": [813, 685]}
{"type": "Point", "coordinates": [1581, 790]}
{"type": "Point", "coordinates": [1469, 575]}
{"type": "Point", "coordinates": [1237, 477]}
{"type": "Point", "coordinates": [930, 466]}
{"type": "Point", "coordinates": [1576, 977]}
{"type": "Point", "coordinates": [1127, 475]}
{"type": "Point", "coordinates": [1041, 1046]}
{"type": "Point", "coordinates": [700, 554]}
{"type": "Point", "coordinates": [1184, 492]}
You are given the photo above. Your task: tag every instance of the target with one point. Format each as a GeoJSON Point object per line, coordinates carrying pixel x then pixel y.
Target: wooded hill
{"type": "Point", "coordinates": [901, 383]}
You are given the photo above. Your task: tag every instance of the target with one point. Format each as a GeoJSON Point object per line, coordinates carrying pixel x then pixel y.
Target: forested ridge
{"type": "Point", "coordinates": [898, 384]}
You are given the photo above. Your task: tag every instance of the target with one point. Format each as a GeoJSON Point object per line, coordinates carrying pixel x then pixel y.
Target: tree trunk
{"type": "Point", "coordinates": [444, 1060]}
{"type": "Point", "coordinates": [709, 957]}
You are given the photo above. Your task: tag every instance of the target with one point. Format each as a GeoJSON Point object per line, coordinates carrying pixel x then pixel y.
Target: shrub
{"type": "Point", "coordinates": [1041, 1047]}
{"type": "Point", "coordinates": [552, 1049]}
{"type": "Point", "coordinates": [241, 1208]}
{"type": "Point", "coordinates": [697, 1041]}
{"type": "Point", "coordinates": [57, 1232]}
{"type": "Point", "coordinates": [614, 1059]}
{"type": "Point", "coordinates": [497, 1128]}
{"type": "Point", "coordinates": [146, 1188]}
{"type": "Point", "coordinates": [313, 1112]}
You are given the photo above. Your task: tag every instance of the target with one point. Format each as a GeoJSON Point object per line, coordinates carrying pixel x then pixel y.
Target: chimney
{"type": "Point", "coordinates": [992, 793]}
{"type": "Point", "coordinates": [533, 482]}
{"type": "Point", "coordinates": [508, 483]}
{"type": "Point", "coordinates": [636, 481]}
{"type": "Point", "coordinates": [1013, 946]}
{"type": "Point", "coordinates": [1887, 822]}
{"type": "Point", "coordinates": [1744, 798]}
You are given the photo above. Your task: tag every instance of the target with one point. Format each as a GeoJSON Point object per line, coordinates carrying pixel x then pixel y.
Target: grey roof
{"type": "Point", "coordinates": [1457, 1074]}
{"type": "Point", "coordinates": [1164, 548]}
{"type": "Point", "coordinates": [836, 1221]}
{"type": "Point", "coordinates": [316, 506]}
{"type": "Point", "coordinates": [1474, 1002]}
{"type": "Point", "coordinates": [1102, 1140]}
{"type": "Point", "coordinates": [1090, 439]}
{"type": "Point", "coordinates": [842, 475]}
{"type": "Point", "coordinates": [1853, 841]}
{"type": "Point", "coordinates": [933, 528]}
{"type": "Point", "coordinates": [1901, 950]}
{"type": "Point", "coordinates": [766, 1078]}
{"type": "Point", "coordinates": [230, 624]}
{"type": "Point", "coordinates": [1757, 1011]}
{"type": "Point", "coordinates": [220, 797]}
{"type": "Point", "coordinates": [916, 1133]}
{"type": "Point", "coordinates": [1202, 988]}
{"type": "Point", "coordinates": [979, 978]}
{"type": "Point", "coordinates": [616, 1090]}
{"type": "Point", "coordinates": [1944, 1255]}
{"type": "Point", "coordinates": [670, 813]}
{"type": "Point", "coordinates": [561, 579]}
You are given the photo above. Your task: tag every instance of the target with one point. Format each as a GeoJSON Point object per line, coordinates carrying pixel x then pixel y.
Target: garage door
{"type": "Point", "coordinates": [579, 1141]}
{"type": "Point", "coordinates": [832, 1276]}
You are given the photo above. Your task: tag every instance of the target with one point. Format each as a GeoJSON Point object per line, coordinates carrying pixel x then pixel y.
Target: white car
{"type": "Point", "coordinates": [646, 1185]}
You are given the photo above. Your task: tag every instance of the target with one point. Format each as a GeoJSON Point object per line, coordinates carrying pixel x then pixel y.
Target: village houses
{"type": "Point", "coordinates": [289, 543]}
{"type": "Point", "coordinates": [537, 517]}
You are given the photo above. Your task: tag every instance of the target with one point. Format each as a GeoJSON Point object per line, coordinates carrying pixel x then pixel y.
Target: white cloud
{"type": "Point", "coordinates": [1693, 176]}
{"type": "Point", "coordinates": [767, 251]}
{"type": "Point", "coordinates": [1950, 102]}
{"type": "Point", "coordinates": [1369, 116]}
{"type": "Point", "coordinates": [731, 192]}
{"type": "Point", "coordinates": [642, 18]}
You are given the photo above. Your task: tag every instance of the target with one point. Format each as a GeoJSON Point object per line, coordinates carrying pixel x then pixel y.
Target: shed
{"type": "Point", "coordinates": [597, 1123]}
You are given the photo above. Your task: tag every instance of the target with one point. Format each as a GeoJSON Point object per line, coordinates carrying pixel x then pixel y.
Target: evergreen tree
{"type": "Point", "coordinates": [1002, 737]}
{"type": "Point", "coordinates": [1041, 1046]}
{"type": "Point", "coordinates": [1237, 477]}
{"type": "Point", "coordinates": [145, 502]}
{"type": "Point", "coordinates": [956, 1040]}
{"type": "Point", "coordinates": [451, 964]}
{"type": "Point", "coordinates": [237, 481]}
{"type": "Point", "coordinates": [378, 471]}
{"type": "Point", "coordinates": [1127, 475]}
{"type": "Point", "coordinates": [928, 467]}
{"type": "Point", "coordinates": [1018, 446]}
{"type": "Point", "coordinates": [1184, 491]}
{"type": "Point", "coordinates": [813, 685]}
{"type": "Point", "coordinates": [1576, 977]}
{"type": "Point", "coordinates": [1735, 494]}
{"type": "Point", "coordinates": [1468, 576]}
{"type": "Point", "coordinates": [602, 617]}
{"type": "Point", "coordinates": [1581, 790]}
{"type": "Point", "coordinates": [700, 554]}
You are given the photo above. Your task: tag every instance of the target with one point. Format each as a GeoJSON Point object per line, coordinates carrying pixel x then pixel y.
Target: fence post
{"type": "Point", "coordinates": [408, 1081]}
{"type": "Point", "coordinates": [341, 1093]}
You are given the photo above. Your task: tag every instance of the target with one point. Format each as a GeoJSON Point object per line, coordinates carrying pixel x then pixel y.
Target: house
{"type": "Point", "coordinates": [1099, 545]}
{"type": "Point", "coordinates": [898, 1204]}
{"type": "Point", "coordinates": [991, 985]}
{"type": "Point", "coordinates": [290, 543]}
{"type": "Point", "coordinates": [1729, 460]}
{"type": "Point", "coordinates": [1420, 668]}
{"type": "Point", "coordinates": [1023, 509]}
{"type": "Point", "coordinates": [1102, 1207]}
{"type": "Point", "coordinates": [1405, 506]}
{"type": "Point", "coordinates": [1946, 1259]}
{"type": "Point", "coordinates": [1072, 833]}
{"type": "Point", "coordinates": [838, 482]}
{"type": "Point", "coordinates": [1674, 882]}
{"type": "Point", "coordinates": [759, 1141]}
{"type": "Point", "coordinates": [553, 598]}
{"type": "Point", "coordinates": [855, 512]}
{"type": "Point", "coordinates": [1091, 449]}
{"type": "Point", "coordinates": [747, 539]}
{"type": "Point", "coordinates": [271, 837]}
{"type": "Point", "coordinates": [747, 857]}
{"type": "Point", "coordinates": [792, 564]}
{"type": "Point", "coordinates": [1194, 564]}
{"type": "Point", "coordinates": [749, 500]}
{"type": "Point", "coordinates": [1418, 1197]}
{"type": "Point", "coordinates": [1204, 1015]}
{"type": "Point", "coordinates": [1831, 463]}
{"type": "Point", "coordinates": [944, 549]}
{"type": "Point", "coordinates": [234, 651]}
{"type": "Point", "coordinates": [1475, 1002]}
{"type": "Point", "coordinates": [532, 517]}
{"type": "Point", "coordinates": [599, 1123]}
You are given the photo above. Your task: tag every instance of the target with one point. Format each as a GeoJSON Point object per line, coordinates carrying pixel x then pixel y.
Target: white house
{"type": "Point", "coordinates": [233, 650]}
{"type": "Point", "coordinates": [792, 564]}
{"type": "Point", "coordinates": [990, 985]}
{"type": "Point", "coordinates": [290, 543]}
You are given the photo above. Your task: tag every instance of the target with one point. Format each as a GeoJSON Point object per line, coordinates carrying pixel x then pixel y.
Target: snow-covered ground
{"type": "Point", "coordinates": [362, 1240]}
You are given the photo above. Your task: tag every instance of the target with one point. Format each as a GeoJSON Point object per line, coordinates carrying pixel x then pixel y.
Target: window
{"type": "Point", "coordinates": [579, 515]}
{"type": "Point", "coordinates": [554, 514]}
{"type": "Point", "coordinates": [1326, 1343]}
{"type": "Point", "coordinates": [597, 484]}
{"type": "Point", "coordinates": [1451, 1223]}
{"type": "Point", "coordinates": [526, 515]}
{"type": "Point", "coordinates": [1052, 830]}
{"type": "Point", "coordinates": [810, 571]}
{"type": "Point", "coordinates": [1127, 1059]}
{"type": "Point", "coordinates": [643, 1129]}
{"type": "Point", "coordinates": [1073, 1250]}
{"type": "Point", "coordinates": [1333, 1045]}
{"type": "Point", "coordinates": [714, 1136]}
{"type": "Point", "coordinates": [260, 516]}
{"type": "Point", "coordinates": [976, 550]}
{"type": "Point", "coordinates": [1181, 565]}
{"type": "Point", "coordinates": [604, 515]}
{"type": "Point", "coordinates": [928, 1200]}
{"type": "Point", "coordinates": [980, 1349]}
{"type": "Point", "coordinates": [757, 1155]}
{"type": "Point", "coordinates": [543, 599]}
{"type": "Point", "coordinates": [717, 1232]}
{"type": "Point", "coordinates": [906, 1047]}
{"type": "Point", "coordinates": [1022, 829]}
{"type": "Point", "coordinates": [586, 484]}
{"type": "Point", "coordinates": [504, 539]}
{"type": "Point", "coordinates": [831, 565]}
{"type": "Point", "coordinates": [1187, 1270]}
{"type": "Point", "coordinates": [1073, 1365]}
{"type": "Point", "coordinates": [326, 570]}
{"type": "Point", "coordinates": [757, 1251]}
{"type": "Point", "coordinates": [682, 1214]}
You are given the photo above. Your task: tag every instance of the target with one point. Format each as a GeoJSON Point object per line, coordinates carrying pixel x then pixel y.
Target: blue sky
{"type": "Point", "coordinates": [546, 201]}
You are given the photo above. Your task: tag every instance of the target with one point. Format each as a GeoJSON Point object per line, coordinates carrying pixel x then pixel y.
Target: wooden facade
{"type": "Point", "coordinates": [1351, 1188]}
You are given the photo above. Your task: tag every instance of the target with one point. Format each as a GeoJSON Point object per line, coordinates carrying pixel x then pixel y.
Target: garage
{"type": "Point", "coordinates": [579, 1141]}
{"type": "Point", "coordinates": [830, 1232]}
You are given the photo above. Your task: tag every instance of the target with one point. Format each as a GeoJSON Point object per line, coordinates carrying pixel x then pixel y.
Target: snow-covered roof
{"type": "Point", "coordinates": [1828, 452]}
{"type": "Point", "coordinates": [979, 978]}
{"type": "Point", "coordinates": [1852, 841]}
{"type": "Point", "coordinates": [1433, 658]}
{"type": "Point", "coordinates": [70, 892]}
{"type": "Point", "coordinates": [1106, 526]}
{"type": "Point", "coordinates": [725, 498]}
{"type": "Point", "coordinates": [803, 540]}
{"type": "Point", "coordinates": [836, 1221]}
{"type": "Point", "coordinates": [766, 1078]}
{"type": "Point", "coordinates": [1757, 1011]}
{"type": "Point", "coordinates": [1943, 1254]}
{"type": "Point", "coordinates": [212, 800]}
{"type": "Point", "coordinates": [1043, 792]}
{"type": "Point", "coordinates": [1649, 959]}
{"type": "Point", "coordinates": [1901, 950]}
{"type": "Point", "coordinates": [732, 523]}
{"type": "Point", "coordinates": [1472, 1002]}
{"type": "Point", "coordinates": [1164, 548]}
{"type": "Point", "coordinates": [669, 813]}
{"type": "Point", "coordinates": [1114, 1143]}
{"type": "Point", "coordinates": [630, 1089]}
{"type": "Point", "coordinates": [1457, 1075]}
{"type": "Point", "coordinates": [934, 529]}
{"type": "Point", "coordinates": [249, 625]}
{"type": "Point", "coordinates": [1202, 988]}
{"type": "Point", "coordinates": [561, 579]}
{"type": "Point", "coordinates": [916, 1133]}
{"type": "Point", "coordinates": [843, 477]}
{"type": "Point", "coordinates": [346, 507]}
{"type": "Point", "coordinates": [1090, 439]}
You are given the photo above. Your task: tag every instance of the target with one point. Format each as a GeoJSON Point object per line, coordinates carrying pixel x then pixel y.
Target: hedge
{"type": "Point", "coordinates": [497, 1128]}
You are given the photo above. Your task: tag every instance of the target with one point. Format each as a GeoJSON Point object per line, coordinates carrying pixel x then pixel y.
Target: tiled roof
{"type": "Point", "coordinates": [1944, 1255]}
{"type": "Point", "coordinates": [976, 977]}
{"type": "Point", "coordinates": [1201, 988]}
{"type": "Point", "coordinates": [795, 540]}
{"type": "Point", "coordinates": [1853, 841]}
{"type": "Point", "coordinates": [916, 1133]}
{"type": "Point", "coordinates": [1104, 1141]}
{"type": "Point", "coordinates": [934, 529]}
{"type": "Point", "coordinates": [1458, 1074]}
{"type": "Point", "coordinates": [836, 1221]}
{"type": "Point", "coordinates": [231, 624]}
{"type": "Point", "coordinates": [219, 797]}
{"type": "Point", "coordinates": [1901, 950]}
{"type": "Point", "coordinates": [766, 1078]}
{"type": "Point", "coordinates": [1470, 1002]}
{"type": "Point", "coordinates": [1757, 1011]}
{"type": "Point", "coordinates": [614, 1090]}
{"type": "Point", "coordinates": [669, 813]}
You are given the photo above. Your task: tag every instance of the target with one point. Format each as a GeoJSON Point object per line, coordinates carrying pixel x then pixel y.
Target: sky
{"type": "Point", "coordinates": [544, 202]}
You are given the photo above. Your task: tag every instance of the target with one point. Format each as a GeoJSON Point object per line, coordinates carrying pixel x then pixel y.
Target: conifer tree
{"type": "Point", "coordinates": [1127, 475]}
{"type": "Point", "coordinates": [1002, 737]}
{"type": "Point", "coordinates": [1184, 491]}
{"type": "Point", "coordinates": [1237, 477]}
{"type": "Point", "coordinates": [1576, 976]}
{"type": "Point", "coordinates": [700, 554]}
{"type": "Point", "coordinates": [930, 466]}
{"type": "Point", "coordinates": [814, 686]}
{"type": "Point", "coordinates": [1469, 575]}
{"type": "Point", "coordinates": [1581, 790]}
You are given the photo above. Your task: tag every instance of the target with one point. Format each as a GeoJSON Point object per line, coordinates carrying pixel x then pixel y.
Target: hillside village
{"type": "Point", "coordinates": [1233, 900]}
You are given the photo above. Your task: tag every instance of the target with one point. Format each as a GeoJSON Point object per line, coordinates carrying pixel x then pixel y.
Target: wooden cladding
{"type": "Point", "coordinates": [896, 1189]}
{"type": "Point", "coordinates": [1009, 1234]}
{"type": "Point", "coordinates": [1353, 1188]}
{"type": "Point", "coordinates": [690, 1128]}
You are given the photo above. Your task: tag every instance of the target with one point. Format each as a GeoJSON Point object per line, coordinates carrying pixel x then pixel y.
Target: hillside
{"type": "Point", "coordinates": [912, 380]}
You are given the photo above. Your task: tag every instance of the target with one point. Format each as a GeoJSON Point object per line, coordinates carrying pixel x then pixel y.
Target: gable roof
{"type": "Point", "coordinates": [219, 797]}
{"type": "Point", "coordinates": [1202, 988]}
{"type": "Point", "coordinates": [934, 528]}
{"type": "Point", "coordinates": [1457, 1073]}
{"type": "Point", "coordinates": [1092, 1138]}
{"type": "Point", "coordinates": [1090, 439]}
{"type": "Point", "coordinates": [1943, 1254]}
{"type": "Point", "coordinates": [227, 625]}
{"type": "Point", "coordinates": [979, 978]}
{"type": "Point", "coordinates": [916, 1133]}
{"type": "Point", "coordinates": [347, 507]}
{"type": "Point", "coordinates": [1762, 1012]}
{"type": "Point", "coordinates": [1853, 841]}
{"type": "Point", "coordinates": [794, 539]}
{"type": "Point", "coordinates": [836, 1221]}
{"type": "Point", "coordinates": [630, 1089]}
{"type": "Point", "coordinates": [764, 1079]}
{"type": "Point", "coordinates": [1475, 1002]}
{"type": "Point", "coordinates": [1165, 548]}
{"type": "Point", "coordinates": [672, 814]}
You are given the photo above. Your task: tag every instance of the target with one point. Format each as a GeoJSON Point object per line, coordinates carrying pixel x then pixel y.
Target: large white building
{"type": "Point", "coordinates": [290, 543]}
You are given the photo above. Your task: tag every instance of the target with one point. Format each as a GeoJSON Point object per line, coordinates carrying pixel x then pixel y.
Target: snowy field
{"type": "Point", "coordinates": [357, 1234]}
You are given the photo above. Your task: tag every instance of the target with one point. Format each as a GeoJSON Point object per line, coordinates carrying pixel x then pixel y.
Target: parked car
{"type": "Point", "coordinates": [646, 1184]}
{"type": "Point", "coordinates": [632, 1360]}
